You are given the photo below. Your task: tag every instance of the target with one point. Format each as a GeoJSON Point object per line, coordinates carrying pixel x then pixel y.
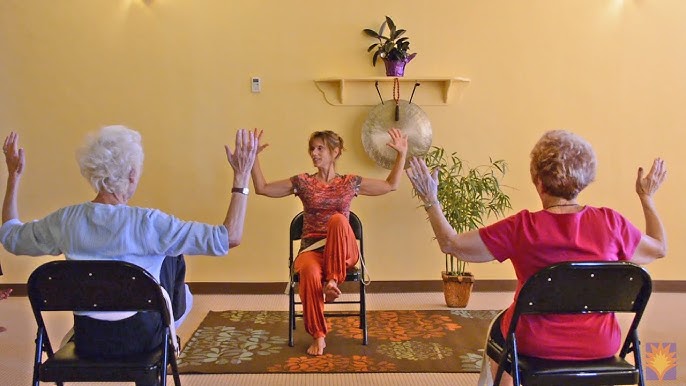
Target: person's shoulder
{"type": "Point", "coordinates": [144, 211]}
{"type": "Point", "coordinates": [350, 178]}
{"type": "Point", "coordinates": [131, 212]}
{"type": "Point", "coordinates": [608, 214]}
{"type": "Point", "coordinates": [74, 208]}
{"type": "Point", "coordinates": [302, 177]}
{"type": "Point", "coordinates": [523, 214]}
{"type": "Point", "coordinates": [601, 210]}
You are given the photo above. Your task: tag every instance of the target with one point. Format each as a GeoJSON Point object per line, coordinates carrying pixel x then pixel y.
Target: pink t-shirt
{"type": "Point", "coordinates": [533, 241]}
{"type": "Point", "coordinates": [321, 200]}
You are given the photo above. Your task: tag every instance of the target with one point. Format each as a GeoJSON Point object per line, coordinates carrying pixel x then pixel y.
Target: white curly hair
{"type": "Point", "coordinates": [108, 157]}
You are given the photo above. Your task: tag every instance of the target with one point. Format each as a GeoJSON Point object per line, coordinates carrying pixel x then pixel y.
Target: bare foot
{"type": "Point", "coordinates": [317, 347]}
{"type": "Point", "coordinates": [331, 291]}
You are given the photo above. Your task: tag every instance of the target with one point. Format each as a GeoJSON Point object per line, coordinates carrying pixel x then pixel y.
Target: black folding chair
{"type": "Point", "coordinates": [577, 288]}
{"type": "Point", "coordinates": [89, 285]}
{"type": "Point", "coordinates": [354, 274]}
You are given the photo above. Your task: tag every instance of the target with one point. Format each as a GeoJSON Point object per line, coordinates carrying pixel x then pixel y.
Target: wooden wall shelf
{"type": "Point", "coordinates": [433, 91]}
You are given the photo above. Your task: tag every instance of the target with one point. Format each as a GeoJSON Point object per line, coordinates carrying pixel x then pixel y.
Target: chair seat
{"type": "Point", "coordinates": [66, 364]}
{"type": "Point", "coordinates": [539, 371]}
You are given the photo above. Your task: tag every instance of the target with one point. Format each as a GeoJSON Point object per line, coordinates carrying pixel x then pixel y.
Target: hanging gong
{"type": "Point", "coordinates": [409, 118]}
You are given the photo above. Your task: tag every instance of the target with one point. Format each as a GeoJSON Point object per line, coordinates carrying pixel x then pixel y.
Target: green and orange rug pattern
{"type": "Point", "coordinates": [399, 341]}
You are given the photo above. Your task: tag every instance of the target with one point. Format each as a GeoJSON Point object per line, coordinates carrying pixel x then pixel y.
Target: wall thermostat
{"type": "Point", "coordinates": [255, 84]}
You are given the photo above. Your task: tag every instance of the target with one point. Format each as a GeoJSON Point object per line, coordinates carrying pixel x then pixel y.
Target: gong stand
{"type": "Point", "coordinates": [396, 95]}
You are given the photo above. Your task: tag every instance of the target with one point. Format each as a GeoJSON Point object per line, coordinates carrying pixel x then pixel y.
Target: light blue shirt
{"type": "Point", "coordinates": [92, 231]}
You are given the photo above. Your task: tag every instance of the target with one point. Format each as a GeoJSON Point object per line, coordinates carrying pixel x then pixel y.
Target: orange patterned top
{"type": "Point", "coordinates": [321, 200]}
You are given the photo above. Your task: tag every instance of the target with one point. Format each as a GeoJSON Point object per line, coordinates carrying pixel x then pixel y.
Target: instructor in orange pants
{"type": "Point", "coordinates": [328, 246]}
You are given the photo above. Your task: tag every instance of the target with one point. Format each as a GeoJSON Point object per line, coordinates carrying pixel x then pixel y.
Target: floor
{"type": "Point", "coordinates": [661, 324]}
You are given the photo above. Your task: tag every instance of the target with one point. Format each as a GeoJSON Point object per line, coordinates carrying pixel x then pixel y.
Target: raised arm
{"type": "Point", "coordinates": [241, 161]}
{"type": "Point", "coordinates": [374, 187]}
{"type": "Point", "coordinates": [14, 157]}
{"type": "Point", "coordinates": [276, 189]}
{"type": "Point", "coordinates": [467, 246]}
{"type": "Point", "coordinates": [653, 244]}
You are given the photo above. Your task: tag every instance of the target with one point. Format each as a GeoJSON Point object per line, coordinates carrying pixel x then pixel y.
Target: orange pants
{"type": "Point", "coordinates": [340, 253]}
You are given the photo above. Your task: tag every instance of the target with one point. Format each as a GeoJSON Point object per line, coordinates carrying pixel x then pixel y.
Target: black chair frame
{"type": "Point", "coordinates": [354, 275]}
{"type": "Point", "coordinates": [577, 288]}
{"type": "Point", "coordinates": [90, 285]}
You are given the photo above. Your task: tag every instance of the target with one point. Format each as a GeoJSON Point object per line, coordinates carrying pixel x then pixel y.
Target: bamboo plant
{"type": "Point", "coordinates": [468, 196]}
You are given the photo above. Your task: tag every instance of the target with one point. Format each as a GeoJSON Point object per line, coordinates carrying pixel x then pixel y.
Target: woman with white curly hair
{"type": "Point", "coordinates": [108, 228]}
{"type": "Point", "coordinates": [562, 165]}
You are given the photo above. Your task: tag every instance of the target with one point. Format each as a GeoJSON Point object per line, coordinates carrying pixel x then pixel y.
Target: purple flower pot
{"type": "Point", "coordinates": [397, 67]}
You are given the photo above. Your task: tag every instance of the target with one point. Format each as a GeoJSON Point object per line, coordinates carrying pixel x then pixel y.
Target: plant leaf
{"type": "Point", "coordinates": [398, 34]}
{"type": "Point", "coordinates": [391, 25]}
{"type": "Point", "coordinates": [382, 29]}
{"type": "Point", "coordinates": [371, 33]}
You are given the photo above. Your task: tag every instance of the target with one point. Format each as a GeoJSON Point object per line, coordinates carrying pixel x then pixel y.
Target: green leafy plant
{"type": "Point", "coordinates": [467, 195]}
{"type": "Point", "coordinates": [395, 46]}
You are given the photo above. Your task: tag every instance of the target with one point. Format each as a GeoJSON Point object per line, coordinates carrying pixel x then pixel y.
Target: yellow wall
{"type": "Point", "coordinates": [179, 72]}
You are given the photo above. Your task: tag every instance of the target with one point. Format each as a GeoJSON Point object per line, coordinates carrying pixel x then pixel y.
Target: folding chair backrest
{"type": "Point", "coordinates": [356, 224]}
{"type": "Point", "coordinates": [582, 287]}
{"type": "Point", "coordinates": [95, 285]}
{"type": "Point", "coordinates": [296, 228]}
{"type": "Point", "coordinates": [578, 288]}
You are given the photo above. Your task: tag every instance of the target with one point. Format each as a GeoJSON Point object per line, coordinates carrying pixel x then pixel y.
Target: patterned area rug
{"type": "Point", "coordinates": [399, 341]}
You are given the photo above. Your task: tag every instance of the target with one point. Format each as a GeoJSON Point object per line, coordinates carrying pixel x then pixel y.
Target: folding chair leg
{"type": "Point", "coordinates": [291, 315]}
{"type": "Point", "coordinates": [636, 348]}
{"type": "Point", "coordinates": [165, 359]}
{"type": "Point", "coordinates": [363, 312]}
{"type": "Point", "coordinates": [365, 340]}
{"type": "Point", "coordinates": [175, 370]}
{"type": "Point", "coordinates": [38, 359]}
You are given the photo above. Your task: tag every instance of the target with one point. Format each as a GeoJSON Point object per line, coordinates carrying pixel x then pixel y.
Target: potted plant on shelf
{"type": "Point", "coordinates": [393, 49]}
{"type": "Point", "coordinates": [467, 196]}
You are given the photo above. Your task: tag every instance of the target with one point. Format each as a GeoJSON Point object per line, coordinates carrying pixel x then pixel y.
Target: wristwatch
{"type": "Point", "coordinates": [241, 190]}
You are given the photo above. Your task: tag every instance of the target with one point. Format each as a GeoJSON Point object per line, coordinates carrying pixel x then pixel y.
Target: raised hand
{"type": "Point", "coordinates": [648, 185]}
{"type": "Point", "coordinates": [398, 141]}
{"type": "Point", "coordinates": [14, 155]}
{"type": "Point", "coordinates": [243, 157]}
{"type": "Point", "coordinates": [260, 145]}
{"type": "Point", "coordinates": [424, 182]}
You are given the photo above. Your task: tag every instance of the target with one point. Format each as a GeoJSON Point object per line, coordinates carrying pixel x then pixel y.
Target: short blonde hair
{"type": "Point", "coordinates": [331, 139]}
{"type": "Point", "coordinates": [564, 162]}
{"type": "Point", "coordinates": [107, 158]}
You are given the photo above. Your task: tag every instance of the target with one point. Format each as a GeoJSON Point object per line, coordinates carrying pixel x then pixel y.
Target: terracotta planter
{"type": "Point", "coordinates": [397, 67]}
{"type": "Point", "coordinates": [457, 289]}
